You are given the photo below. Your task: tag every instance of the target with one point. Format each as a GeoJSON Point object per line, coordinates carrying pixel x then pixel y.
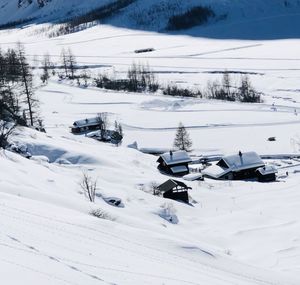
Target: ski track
{"type": "Point", "coordinates": [17, 214]}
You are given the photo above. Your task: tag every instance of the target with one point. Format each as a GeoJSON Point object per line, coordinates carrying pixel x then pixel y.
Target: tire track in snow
{"type": "Point", "coordinates": [33, 250]}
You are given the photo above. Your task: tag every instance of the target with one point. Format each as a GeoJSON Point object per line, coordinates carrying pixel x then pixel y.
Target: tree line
{"type": "Point", "coordinates": [18, 104]}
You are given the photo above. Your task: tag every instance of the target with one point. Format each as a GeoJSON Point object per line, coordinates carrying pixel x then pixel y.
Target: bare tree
{"type": "Point", "coordinates": [89, 186]}
{"type": "Point", "coordinates": [182, 139]}
{"type": "Point", "coordinates": [6, 131]}
{"type": "Point", "coordinates": [71, 61]}
{"type": "Point", "coordinates": [64, 61]}
{"type": "Point", "coordinates": [85, 76]}
{"type": "Point", "coordinates": [46, 68]}
{"type": "Point", "coordinates": [226, 84]}
{"type": "Point", "coordinates": [102, 120]}
{"type": "Point", "coordinates": [27, 84]}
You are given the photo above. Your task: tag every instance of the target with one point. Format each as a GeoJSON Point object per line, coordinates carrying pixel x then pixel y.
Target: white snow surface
{"type": "Point", "coordinates": [232, 233]}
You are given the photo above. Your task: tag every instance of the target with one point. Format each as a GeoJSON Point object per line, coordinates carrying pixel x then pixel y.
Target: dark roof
{"type": "Point", "coordinates": [176, 157]}
{"type": "Point", "coordinates": [170, 184]}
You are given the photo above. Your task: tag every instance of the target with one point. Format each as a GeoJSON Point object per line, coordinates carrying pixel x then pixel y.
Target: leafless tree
{"type": "Point", "coordinates": [6, 131]}
{"type": "Point", "coordinates": [46, 65]}
{"type": "Point", "coordinates": [89, 186]}
{"type": "Point", "coordinates": [102, 120]}
{"type": "Point", "coordinates": [71, 61]}
{"type": "Point", "coordinates": [27, 84]}
{"type": "Point", "coordinates": [64, 61]}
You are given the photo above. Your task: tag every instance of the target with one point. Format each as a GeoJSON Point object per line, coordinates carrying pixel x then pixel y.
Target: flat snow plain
{"type": "Point", "coordinates": [234, 233]}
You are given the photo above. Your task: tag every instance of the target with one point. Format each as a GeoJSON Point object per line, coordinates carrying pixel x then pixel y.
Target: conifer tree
{"type": "Point", "coordinates": [182, 139]}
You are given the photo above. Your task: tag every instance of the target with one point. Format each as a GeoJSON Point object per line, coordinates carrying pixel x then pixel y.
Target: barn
{"type": "Point", "coordinates": [235, 167]}
{"type": "Point", "coordinates": [175, 190]}
{"type": "Point", "coordinates": [84, 125]}
{"type": "Point", "coordinates": [174, 162]}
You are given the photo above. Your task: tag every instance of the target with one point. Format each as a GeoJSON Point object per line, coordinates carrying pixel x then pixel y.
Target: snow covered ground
{"type": "Point", "coordinates": [234, 232]}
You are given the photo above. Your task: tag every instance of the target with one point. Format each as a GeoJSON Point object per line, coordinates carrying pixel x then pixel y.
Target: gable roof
{"type": "Point", "coordinates": [234, 163]}
{"type": "Point", "coordinates": [177, 157]}
{"type": "Point", "coordinates": [170, 184]}
{"type": "Point", "coordinates": [86, 122]}
{"type": "Point", "coordinates": [244, 161]}
{"type": "Point", "coordinates": [215, 171]}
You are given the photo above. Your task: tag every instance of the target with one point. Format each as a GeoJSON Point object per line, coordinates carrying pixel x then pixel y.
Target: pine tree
{"type": "Point", "coordinates": [182, 139]}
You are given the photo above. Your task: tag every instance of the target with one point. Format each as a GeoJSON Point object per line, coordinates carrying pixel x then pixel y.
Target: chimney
{"type": "Point", "coordinates": [171, 154]}
{"type": "Point", "coordinates": [240, 154]}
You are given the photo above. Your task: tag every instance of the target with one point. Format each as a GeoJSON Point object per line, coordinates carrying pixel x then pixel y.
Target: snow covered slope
{"type": "Point", "coordinates": [240, 232]}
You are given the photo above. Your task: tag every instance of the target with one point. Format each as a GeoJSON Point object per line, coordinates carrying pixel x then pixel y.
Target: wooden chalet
{"type": "Point", "coordinates": [85, 125]}
{"type": "Point", "coordinates": [235, 167]}
{"type": "Point", "coordinates": [174, 163]}
{"type": "Point", "coordinates": [175, 190]}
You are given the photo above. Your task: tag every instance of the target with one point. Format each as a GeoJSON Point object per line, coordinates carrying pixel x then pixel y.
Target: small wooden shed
{"type": "Point", "coordinates": [175, 190]}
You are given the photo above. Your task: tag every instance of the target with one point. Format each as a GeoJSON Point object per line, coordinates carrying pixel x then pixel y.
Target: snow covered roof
{"type": "Point", "coordinates": [215, 171]}
{"type": "Point", "coordinates": [268, 169]}
{"type": "Point", "coordinates": [243, 161]}
{"type": "Point", "coordinates": [86, 122]}
{"type": "Point", "coordinates": [234, 163]}
{"type": "Point", "coordinates": [193, 176]}
{"type": "Point", "coordinates": [179, 169]}
{"type": "Point", "coordinates": [176, 157]}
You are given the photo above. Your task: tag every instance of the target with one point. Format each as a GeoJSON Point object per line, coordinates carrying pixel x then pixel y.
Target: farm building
{"type": "Point", "coordinates": [84, 125]}
{"type": "Point", "coordinates": [175, 190]}
{"type": "Point", "coordinates": [174, 163]}
{"type": "Point", "coordinates": [235, 167]}
{"type": "Point", "coordinates": [266, 173]}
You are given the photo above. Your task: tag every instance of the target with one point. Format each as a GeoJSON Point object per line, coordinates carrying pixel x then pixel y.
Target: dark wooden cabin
{"type": "Point", "coordinates": [85, 125]}
{"type": "Point", "coordinates": [174, 163]}
{"type": "Point", "coordinates": [235, 167]}
{"type": "Point", "coordinates": [175, 190]}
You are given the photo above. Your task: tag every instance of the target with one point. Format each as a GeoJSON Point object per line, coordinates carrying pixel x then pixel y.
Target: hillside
{"type": "Point", "coordinates": [231, 232]}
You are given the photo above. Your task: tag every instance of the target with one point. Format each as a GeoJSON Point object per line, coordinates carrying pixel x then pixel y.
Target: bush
{"type": "Point", "coordinates": [196, 16]}
{"type": "Point", "coordinates": [225, 91]}
{"type": "Point", "coordinates": [101, 214]}
{"type": "Point", "coordinates": [174, 90]}
{"type": "Point", "coordinates": [139, 79]}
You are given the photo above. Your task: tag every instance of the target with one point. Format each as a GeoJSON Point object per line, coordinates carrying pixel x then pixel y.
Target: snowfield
{"type": "Point", "coordinates": [233, 232]}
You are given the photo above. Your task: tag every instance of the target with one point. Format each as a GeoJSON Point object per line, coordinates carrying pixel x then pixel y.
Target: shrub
{"type": "Point", "coordinates": [174, 90]}
{"type": "Point", "coordinates": [139, 79]}
{"type": "Point", "coordinates": [101, 214]}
